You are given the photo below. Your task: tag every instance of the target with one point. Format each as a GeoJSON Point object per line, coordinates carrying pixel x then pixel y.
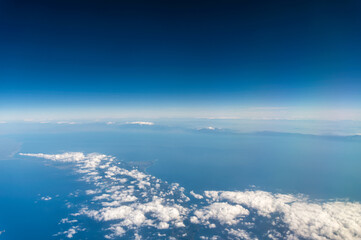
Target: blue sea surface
{"type": "Point", "coordinates": [23, 215]}
{"type": "Point", "coordinates": [319, 166]}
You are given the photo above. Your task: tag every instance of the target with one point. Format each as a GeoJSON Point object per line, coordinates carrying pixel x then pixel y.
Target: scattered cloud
{"type": "Point", "coordinates": [47, 198]}
{"type": "Point", "coordinates": [198, 196]}
{"type": "Point", "coordinates": [223, 212]}
{"type": "Point", "coordinates": [310, 220]}
{"type": "Point", "coordinates": [66, 220]}
{"type": "Point", "coordinates": [239, 234]}
{"type": "Point", "coordinates": [126, 200]}
{"type": "Point", "coordinates": [70, 232]}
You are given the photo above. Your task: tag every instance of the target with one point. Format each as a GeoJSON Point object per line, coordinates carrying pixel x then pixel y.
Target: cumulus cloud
{"type": "Point", "coordinates": [70, 232]}
{"type": "Point", "coordinates": [47, 198]}
{"type": "Point", "coordinates": [126, 200]}
{"type": "Point", "coordinates": [197, 196]}
{"type": "Point", "coordinates": [66, 220]}
{"type": "Point", "coordinates": [130, 197]}
{"type": "Point", "coordinates": [225, 213]}
{"type": "Point", "coordinates": [134, 215]}
{"type": "Point", "coordinates": [239, 234]}
{"type": "Point", "coordinates": [328, 220]}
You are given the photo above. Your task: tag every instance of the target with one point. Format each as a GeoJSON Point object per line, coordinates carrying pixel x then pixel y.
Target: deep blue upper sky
{"type": "Point", "coordinates": [259, 53]}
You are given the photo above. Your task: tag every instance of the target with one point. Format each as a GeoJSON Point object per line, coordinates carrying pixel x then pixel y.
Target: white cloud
{"type": "Point", "coordinates": [111, 198]}
{"type": "Point", "coordinates": [162, 215]}
{"type": "Point", "coordinates": [210, 128]}
{"type": "Point", "coordinates": [239, 234]}
{"type": "Point", "coordinates": [127, 199]}
{"type": "Point", "coordinates": [91, 192]}
{"type": "Point", "coordinates": [64, 157]}
{"type": "Point", "coordinates": [223, 212]}
{"type": "Point", "coordinates": [117, 231]}
{"type": "Point", "coordinates": [47, 198]}
{"type": "Point", "coordinates": [70, 232]}
{"type": "Point", "coordinates": [66, 220]}
{"type": "Point", "coordinates": [328, 220]}
{"type": "Point", "coordinates": [64, 122]}
{"type": "Point", "coordinates": [141, 123]}
{"type": "Point", "coordinates": [198, 196]}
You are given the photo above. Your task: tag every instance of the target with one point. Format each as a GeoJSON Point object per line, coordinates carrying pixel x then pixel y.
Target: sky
{"type": "Point", "coordinates": [113, 58]}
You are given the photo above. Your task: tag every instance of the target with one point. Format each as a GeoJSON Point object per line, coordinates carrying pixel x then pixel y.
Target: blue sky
{"type": "Point", "coordinates": [215, 55]}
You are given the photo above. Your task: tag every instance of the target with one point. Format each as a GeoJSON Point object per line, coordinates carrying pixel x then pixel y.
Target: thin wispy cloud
{"type": "Point", "coordinates": [141, 123]}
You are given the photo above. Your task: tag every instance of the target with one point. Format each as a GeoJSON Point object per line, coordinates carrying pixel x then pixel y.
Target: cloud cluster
{"type": "Point", "coordinates": [224, 213]}
{"type": "Point", "coordinates": [127, 201]}
{"type": "Point", "coordinates": [195, 195]}
{"type": "Point", "coordinates": [327, 220]}
{"type": "Point", "coordinates": [47, 198]}
{"type": "Point", "coordinates": [70, 232]}
{"type": "Point", "coordinates": [131, 198]}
